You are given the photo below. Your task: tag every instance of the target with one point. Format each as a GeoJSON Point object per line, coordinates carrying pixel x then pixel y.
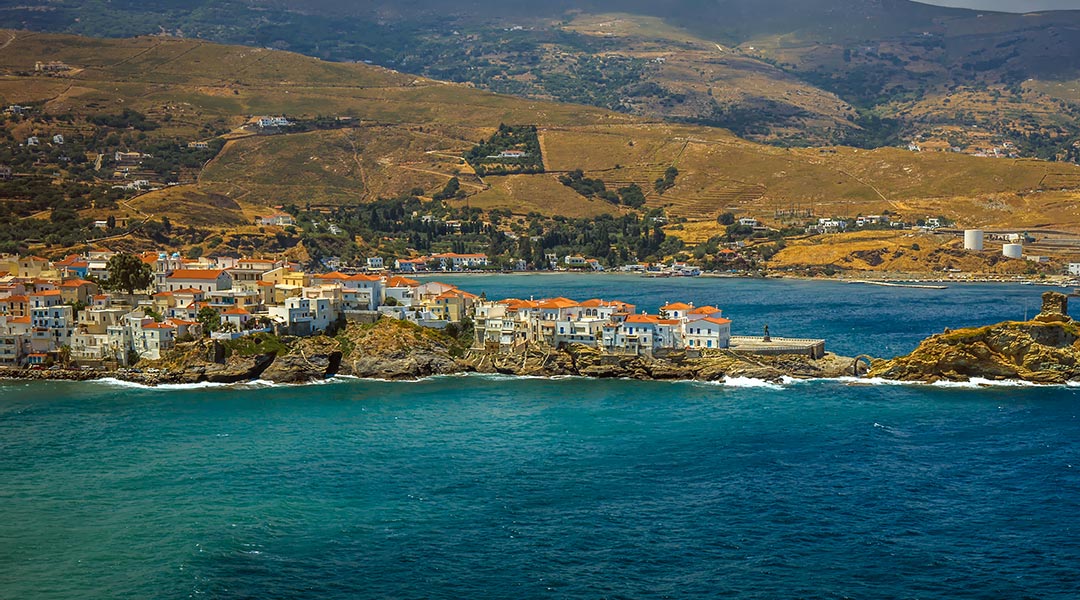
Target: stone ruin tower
{"type": "Point", "coordinates": [1055, 308]}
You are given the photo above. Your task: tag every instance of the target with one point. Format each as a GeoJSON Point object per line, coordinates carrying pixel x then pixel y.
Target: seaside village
{"type": "Point", "coordinates": [59, 313]}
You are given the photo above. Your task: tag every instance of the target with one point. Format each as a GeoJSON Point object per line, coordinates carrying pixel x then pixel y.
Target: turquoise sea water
{"type": "Point", "coordinates": [481, 487]}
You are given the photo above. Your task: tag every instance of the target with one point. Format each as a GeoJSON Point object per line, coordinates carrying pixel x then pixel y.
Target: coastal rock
{"type": "Point", "coordinates": [1037, 351]}
{"type": "Point", "coordinates": [585, 361]}
{"type": "Point", "coordinates": [391, 349]}
{"type": "Point", "coordinates": [309, 359]}
{"type": "Point", "coordinates": [235, 369]}
{"type": "Point", "coordinates": [404, 367]}
{"type": "Point", "coordinates": [1055, 308]}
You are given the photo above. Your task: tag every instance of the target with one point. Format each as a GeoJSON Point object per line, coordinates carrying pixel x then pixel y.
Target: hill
{"type": "Point", "coordinates": [181, 115]}
{"type": "Point", "coordinates": [868, 73]}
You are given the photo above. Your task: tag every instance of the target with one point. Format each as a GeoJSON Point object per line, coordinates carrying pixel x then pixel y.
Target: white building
{"type": "Point", "coordinates": [204, 280]}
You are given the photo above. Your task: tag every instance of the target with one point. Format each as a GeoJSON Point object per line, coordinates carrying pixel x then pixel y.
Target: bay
{"type": "Point", "coordinates": [490, 487]}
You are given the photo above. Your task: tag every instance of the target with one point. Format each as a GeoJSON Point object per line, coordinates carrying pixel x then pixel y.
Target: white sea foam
{"type": "Point", "coordinates": [743, 382]}
{"type": "Point", "coordinates": [973, 383]}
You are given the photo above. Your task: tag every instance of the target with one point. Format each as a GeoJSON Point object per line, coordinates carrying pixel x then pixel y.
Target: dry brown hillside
{"type": "Point", "coordinates": [405, 132]}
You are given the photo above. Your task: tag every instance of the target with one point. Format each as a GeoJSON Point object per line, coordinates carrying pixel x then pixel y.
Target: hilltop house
{"type": "Point", "coordinates": [205, 280]}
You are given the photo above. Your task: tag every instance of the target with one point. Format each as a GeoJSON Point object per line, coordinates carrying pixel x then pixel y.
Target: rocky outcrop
{"type": "Point", "coordinates": [1044, 350]}
{"type": "Point", "coordinates": [390, 349]}
{"type": "Point", "coordinates": [309, 359]}
{"type": "Point", "coordinates": [395, 350]}
{"type": "Point", "coordinates": [586, 361]}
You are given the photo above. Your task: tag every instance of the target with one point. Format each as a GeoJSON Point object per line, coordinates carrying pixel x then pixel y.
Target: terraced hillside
{"type": "Point", "coordinates": [369, 132]}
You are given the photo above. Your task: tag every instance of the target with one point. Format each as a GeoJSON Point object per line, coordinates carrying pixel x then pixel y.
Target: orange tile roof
{"type": "Point", "coordinates": [717, 321]}
{"type": "Point", "coordinates": [188, 291]}
{"type": "Point", "coordinates": [198, 274]}
{"type": "Point", "coordinates": [163, 295]}
{"type": "Point", "coordinates": [158, 326]}
{"type": "Point", "coordinates": [554, 303]}
{"type": "Point", "coordinates": [236, 310]}
{"type": "Point", "coordinates": [337, 275]}
{"type": "Point", "coordinates": [642, 319]}
{"type": "Point", "coordinates": [397, 281]}
{"type": "Point", "coordinates": [677, 306]}
{"type": "Point", "coordinates": [362, 277]}
{"type": "Point", "coordinates": [46, 293]}
{"type": "Point", "coordinates": [23, 320]}
{"type": "Point", "coordinates": [456, 255]}
{"type": "Point", "coordinates": [76, 283]}
{"type": "Point", "coordinates": [705, 310]}
{"type": "Point", "coordinates": [16, 298]}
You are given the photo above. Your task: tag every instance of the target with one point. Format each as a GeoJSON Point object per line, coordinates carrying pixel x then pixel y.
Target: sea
{"type": "Point", "coordinates": [471, 487]}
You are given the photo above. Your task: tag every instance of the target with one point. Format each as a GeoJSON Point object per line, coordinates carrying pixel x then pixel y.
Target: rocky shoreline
{"type": "Point", "coordinates": [392, 350]}
{"type": "Point", "coordinates": [1045, 350]}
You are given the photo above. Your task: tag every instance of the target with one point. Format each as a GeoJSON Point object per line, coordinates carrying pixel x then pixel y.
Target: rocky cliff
{"type": "Point", "coordinates": [1043, 350]}
{"type": "Point", "coordinates": [586, 361]}
{"type": "Point", "coordinates": [391, 349]}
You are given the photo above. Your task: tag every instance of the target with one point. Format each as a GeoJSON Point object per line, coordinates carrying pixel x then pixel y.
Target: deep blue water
{"type": "Point", "coordinates": [471, 487]}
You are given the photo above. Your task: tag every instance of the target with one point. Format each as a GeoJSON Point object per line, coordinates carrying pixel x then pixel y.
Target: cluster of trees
{"type": "Point", "coordinates": [126, 119]}
{"type": "Point", "coordinates": [451, 190]}
{"type": "Point", "coordinates": [484, 156]}
{"type": "Point", "coordinates": [666, 182]}
{"type": "Point", "coordinates": [398, 227]}
{"type": "Point", "coordinates": [631, 195]}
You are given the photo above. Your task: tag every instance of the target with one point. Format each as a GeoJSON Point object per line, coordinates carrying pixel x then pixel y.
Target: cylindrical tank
{"type": "Point", "coordinates": [1012, 250]}
{"type": "Point", "coordinates": [973, 239]}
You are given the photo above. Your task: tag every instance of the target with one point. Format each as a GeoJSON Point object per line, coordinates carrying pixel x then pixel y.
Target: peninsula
{"type": "Point", "coordinates": [1045, 350]}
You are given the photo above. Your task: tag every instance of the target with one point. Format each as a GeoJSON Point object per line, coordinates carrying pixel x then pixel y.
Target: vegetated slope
{"type": "Point", "coordinates": [858, 72]}
{"type": "Point", "coordinates": [384, 133]}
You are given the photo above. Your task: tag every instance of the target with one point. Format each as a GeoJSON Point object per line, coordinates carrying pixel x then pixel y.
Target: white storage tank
{"type": "Point", "coordinates": [973, 239]}
{"type": "Point", "coordinates": [1013, 250]}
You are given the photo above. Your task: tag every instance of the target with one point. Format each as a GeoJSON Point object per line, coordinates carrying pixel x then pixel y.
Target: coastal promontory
{"type": "Point", "coordinates": [1044, 350]}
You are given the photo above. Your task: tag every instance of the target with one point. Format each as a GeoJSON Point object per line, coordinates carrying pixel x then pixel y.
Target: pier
{"type": "Point", "coordinates": [777, 345]}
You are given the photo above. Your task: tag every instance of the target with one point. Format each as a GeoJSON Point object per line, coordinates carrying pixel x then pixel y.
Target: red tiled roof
{"type": "Point", "coordinates": [188, 291]}
{"type": "Point", "coordinates": [362, 277]}
{"type": "Point", "coordinates": [46, 293]}
{"type": "Point", "coordinates": [705, 310]}
{"type": "Point", "coordinates": [236, 310]}
{"type": "Point", "coordinates": [642, 319]}
{"type": "Point", "coordinates": [397, 281]}
{"type": "Point", "coordinates": [558, 303]}
{"type": "Point", "coordinates": [76, 283]}
{"type": "Point", "coordinates": [197, 274]}
{"type": "Point", "coordinates": [717, 321]}
{"type": "Point", "coordinates": [677, 306]}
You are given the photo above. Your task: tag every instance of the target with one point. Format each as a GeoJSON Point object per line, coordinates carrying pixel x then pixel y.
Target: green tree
{"type": "Point", "coordinates": [128, 273]}
{"type": "Point", "coordinates": [451, 190]}
{"type": "Point", "coordinates": [210, 319]}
